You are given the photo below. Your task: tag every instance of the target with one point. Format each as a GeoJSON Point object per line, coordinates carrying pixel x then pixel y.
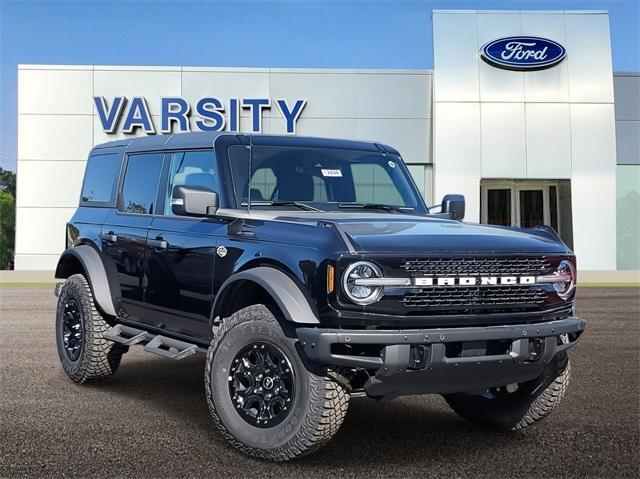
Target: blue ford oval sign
{"type": "Point", "coordinates": [523, 53]}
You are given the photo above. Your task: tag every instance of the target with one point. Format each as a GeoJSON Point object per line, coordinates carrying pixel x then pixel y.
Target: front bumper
{"type": "Point", "coordinates": [442, 360]}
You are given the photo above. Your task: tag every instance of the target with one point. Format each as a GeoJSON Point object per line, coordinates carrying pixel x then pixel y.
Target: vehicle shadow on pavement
{"type": "Point", "coordinates": [419, 428]}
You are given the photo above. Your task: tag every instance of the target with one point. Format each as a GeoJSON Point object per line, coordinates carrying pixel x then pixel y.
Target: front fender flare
{"type": "Point", "coordinates": [95, 272]}
{"type": "Point", "coordinates": [285, 292]}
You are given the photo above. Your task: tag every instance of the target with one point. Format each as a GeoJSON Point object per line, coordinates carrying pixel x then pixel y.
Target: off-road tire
{"type": "Point", "coordinates": [99, 358]}
{"type": "Point", "coordinates": [530, 403]}
{"type": "Point", "coordinates": [318, 408]}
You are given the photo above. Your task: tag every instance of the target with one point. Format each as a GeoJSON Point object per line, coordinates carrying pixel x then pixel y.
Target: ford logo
{"type": "Point", "coordinates": [523, 53]}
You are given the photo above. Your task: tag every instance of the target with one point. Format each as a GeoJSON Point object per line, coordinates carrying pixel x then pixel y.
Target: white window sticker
{"type": "Point", "coordinates": [331, 173]}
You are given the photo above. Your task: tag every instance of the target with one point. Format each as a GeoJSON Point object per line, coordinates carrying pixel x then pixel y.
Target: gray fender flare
{"type": "Point", "coordinates": [286, 293]}
{"type": "Point", "coordinates": [95, 272]}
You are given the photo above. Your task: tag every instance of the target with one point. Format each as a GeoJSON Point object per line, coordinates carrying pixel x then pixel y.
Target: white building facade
{"type": "Point", "coordinates": [554, 146]}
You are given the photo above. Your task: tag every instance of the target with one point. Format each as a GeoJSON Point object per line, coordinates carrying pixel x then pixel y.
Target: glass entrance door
{"type": "Point", "coordinates": [531, 207]}
{"type": "Point", "coordinates": [527, 203]}
{"type": "Point", "coordinates": [520, 203]}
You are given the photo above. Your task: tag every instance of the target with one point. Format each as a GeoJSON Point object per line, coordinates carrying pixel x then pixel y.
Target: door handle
{"type": "Point", "coordinates": [157, 243]}
{"type": "Point", "coordinates": [110, 237]}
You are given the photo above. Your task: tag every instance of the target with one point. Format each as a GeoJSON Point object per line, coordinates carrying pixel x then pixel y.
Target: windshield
{"type": "Point", "coordinates": [322, 179]}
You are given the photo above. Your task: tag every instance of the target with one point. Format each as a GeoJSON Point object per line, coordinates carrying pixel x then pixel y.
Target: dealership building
{"type": "Point", "coordinates": [555, 143]}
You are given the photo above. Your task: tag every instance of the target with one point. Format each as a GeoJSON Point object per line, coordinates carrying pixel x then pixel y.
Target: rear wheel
{"type": "Point", "coordinates": [261, 396]}
{"type": "Point", "coordinates": [84, 353]}
{"type": "Point", "coordinates": [516, 406]}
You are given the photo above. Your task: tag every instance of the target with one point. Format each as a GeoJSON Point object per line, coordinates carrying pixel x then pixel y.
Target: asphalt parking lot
{"type": "Point", "coordinates": [151, 418]}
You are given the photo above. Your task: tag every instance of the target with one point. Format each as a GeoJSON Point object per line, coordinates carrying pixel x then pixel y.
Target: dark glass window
{"type": "Point", "coordinates": [531, 208]}
{"type": "Point", "coordinates": [191, 168]}
{"type": "Point", "coordinates": [99, 177]}
{"type": "Point", "coordinates": [328, 177]}
{"type": "Point", "coordinates": [141, 183]}
{"type": "Point", "coordinates": [499, 207]}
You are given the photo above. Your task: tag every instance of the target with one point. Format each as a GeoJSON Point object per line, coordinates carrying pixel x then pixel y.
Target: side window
{"type": "Point", "coordinates": [140, 184]}
{"type": "Point", "coordinates": [100, 177]}
{"type": "Point", "coordinates": [373, 184]}
{"type": "Point", "coordinates": [191, 168]}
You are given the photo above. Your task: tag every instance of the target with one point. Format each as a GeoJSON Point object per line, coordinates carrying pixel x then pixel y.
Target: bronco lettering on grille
{"type": "Point", "coordinates": [474, 281]}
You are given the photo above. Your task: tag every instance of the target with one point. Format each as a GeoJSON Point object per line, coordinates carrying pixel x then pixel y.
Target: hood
{"type": "Point", "coordinates": [393, 233]}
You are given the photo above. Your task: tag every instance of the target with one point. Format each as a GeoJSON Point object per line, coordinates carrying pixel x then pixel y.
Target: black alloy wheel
{"type": "Point", "coordinates": [72, 329]}
{"type": "Point", "coordinates": [261, 384]}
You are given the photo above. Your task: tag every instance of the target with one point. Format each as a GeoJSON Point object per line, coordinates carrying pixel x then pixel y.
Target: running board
{"type": "Point", "coordinates": [156, 344]}
{"type": "Point", "coordinates": [170, 348]}
{"type": "Point", "coordinates": [127, 335]}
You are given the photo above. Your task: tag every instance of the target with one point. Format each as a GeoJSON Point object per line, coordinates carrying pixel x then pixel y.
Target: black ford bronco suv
{"type": "Point", "coordinates": [308, 271]}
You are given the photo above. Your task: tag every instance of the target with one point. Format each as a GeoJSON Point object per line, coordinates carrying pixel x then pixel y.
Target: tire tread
{"type": "Point", "coordinates": [328, 402]}
{"type": "Point", "coordinates": [100, 357]}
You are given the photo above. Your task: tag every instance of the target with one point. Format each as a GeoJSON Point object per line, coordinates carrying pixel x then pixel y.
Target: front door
{"type": "Point", "coordinates": [182, 251]}
{"type": "Point", "coordinates": [124, 234]}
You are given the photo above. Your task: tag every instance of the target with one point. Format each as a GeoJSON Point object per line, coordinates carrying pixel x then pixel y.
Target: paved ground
{"type": "Point", "coordinates": [151, 419]}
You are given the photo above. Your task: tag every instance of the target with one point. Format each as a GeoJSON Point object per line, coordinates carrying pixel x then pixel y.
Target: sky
{"type": "Point", "coordinates": [320, 34]}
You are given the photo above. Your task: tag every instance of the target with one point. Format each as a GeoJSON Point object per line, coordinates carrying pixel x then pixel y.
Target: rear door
{"type": "Point", "coordinates": [182, 250]}
{"type": "Point", "coordinates": [124, 233]}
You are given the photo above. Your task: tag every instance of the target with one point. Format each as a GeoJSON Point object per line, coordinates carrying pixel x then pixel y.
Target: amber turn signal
{"type": "Point", "coordinates": [330, 278]}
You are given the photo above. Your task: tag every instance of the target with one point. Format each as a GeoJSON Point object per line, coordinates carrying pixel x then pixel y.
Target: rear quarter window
{"type": "Point", "coordinates": [100, 178]}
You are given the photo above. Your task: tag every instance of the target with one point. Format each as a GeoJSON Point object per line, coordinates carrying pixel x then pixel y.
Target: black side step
{"type": "Point", "coordinates": [156, 344]}
{"type": "Point", "coordinates": [170, 348]}
{"type": "Point", "coordinates": [127, 335]}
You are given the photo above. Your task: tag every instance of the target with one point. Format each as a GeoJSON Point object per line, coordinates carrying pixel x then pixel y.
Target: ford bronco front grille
{"type": "Point", "coordinates": [471, 266]}
{"type": "Point", "coordinates": [469, 299]}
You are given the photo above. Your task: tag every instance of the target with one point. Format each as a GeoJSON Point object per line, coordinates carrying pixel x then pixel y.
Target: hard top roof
{"type": "Point", "coordinates": [201, 139]}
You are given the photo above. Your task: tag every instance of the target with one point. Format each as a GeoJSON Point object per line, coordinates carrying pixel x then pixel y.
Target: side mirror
{"type": "Point", "coordinates": [194, 201]}
{"type": "Point", "coordinates": [454, 206]}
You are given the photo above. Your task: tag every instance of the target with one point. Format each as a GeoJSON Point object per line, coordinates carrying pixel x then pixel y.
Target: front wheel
{"type": "Point", "coordinates": [84, 353]}
{"type": "Point", "coordinates": [261, 396]}
{"type": "Point", "coordinates": [516, 406]}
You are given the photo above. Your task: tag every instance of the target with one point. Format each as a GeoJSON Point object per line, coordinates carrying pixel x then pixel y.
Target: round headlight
{"type": "Point", "coordinates": [565, 288]}
{"type": "Point", "coordinates": [358, 291]}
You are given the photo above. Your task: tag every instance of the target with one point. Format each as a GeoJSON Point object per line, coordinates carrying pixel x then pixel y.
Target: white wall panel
{"type": "Point", "coordinates": [41, 230]}
{"type": "Point", "coordinates": [393, 96]}
{"type": "Point", "coordinates": [54, 137]}
{"type": "Point", "coordinates": [224, 85]}
{"type": "Point", "coordinates": [593, 139]}
{"type": "Point", "coordinates": [410, 137]}
{"type": "Point", "coordinates": [152, 85]}
{"type": "Point", "coordinates": [551, 84]}
{"type": "Point", "coordinates": [329, 95]}
{"type": "Point", "coordinates": [55, 91]}
{"type": "Point", "coordinates": [588, 47]}
{"type": "Point", "coordinates": [503, 140]}
{"type": "Point", "coordinates": [334, 128]}
{"type": "Point", "coordinates": [497, 84]}
{"type": "Point", "coordinates": [50, 183]}
{"type": "Point", "coordinates": [38, 262]}
{"type": "Point", "coordinates": [593, 185]}
{"type": "Point", "coordinates": [548, 140]}
{"type": "Point", "coordinates": [455, 46]}
{"type": "Point", "coordinates": [628, 142]}
{"type": "Point", "coordinates": [457, 149]}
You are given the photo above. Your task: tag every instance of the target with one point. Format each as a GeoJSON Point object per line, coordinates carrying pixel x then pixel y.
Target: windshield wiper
{"type": "Point", "coordinates": [302, 206]}
{"type": "Point", "coordinates": [373, 206]}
